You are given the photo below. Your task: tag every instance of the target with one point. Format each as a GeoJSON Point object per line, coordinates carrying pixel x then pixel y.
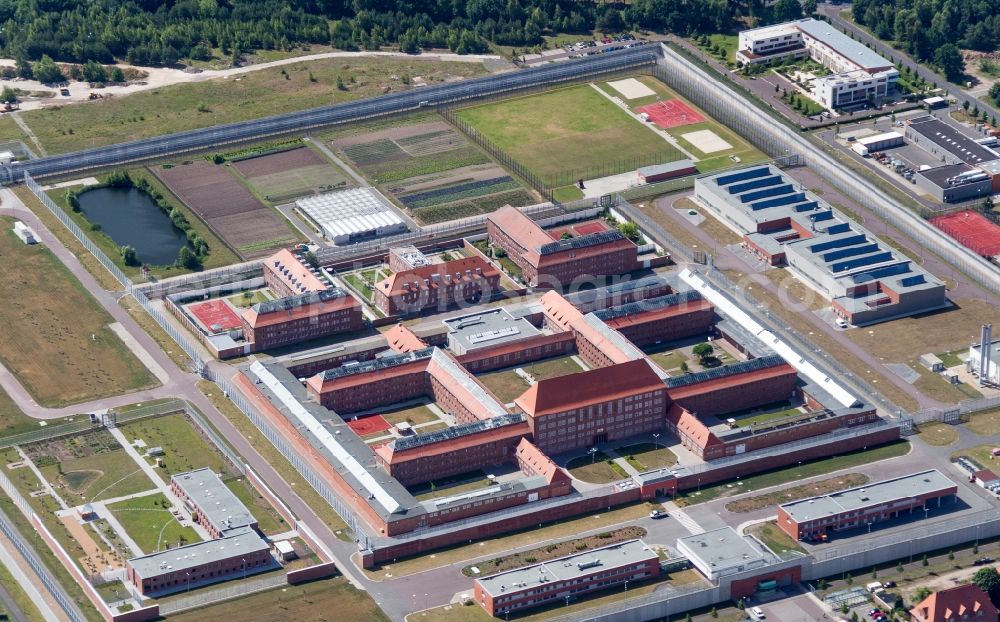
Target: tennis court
{"type": "Point", "coordinates": [671, 113]}
{"type": "Point", "coordinates": [972, 230]}
{"type": "Point", "coordinates": [215, 316]}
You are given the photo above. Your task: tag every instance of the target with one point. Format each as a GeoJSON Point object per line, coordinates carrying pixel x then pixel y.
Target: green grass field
{"type": "Point", "coordinates": [268, 520]}
{"type": "Point", "coordinates": [12, 420]}
{"type": "Point", "coordinates": [647, 456]}
{"type": "Point", "coordinates": [776, 539]}
{"type": "Point", "coordinates": [199, 104]}
{"type": "Point", "coordinates": [59, 362]}
{"type": "Point", "coordinates": [596, 469]}
{"type": "Point", "coordinates": [183, 444]}
{"type": "Point", "coordinates": [568, 133]}
{"type": "Point", "coordinates": [20, 597]}
{"type": "Point", "coordinates": [148, 521]}
{"type": "Point", "coordinates": [97, 477]}
{"type": "Point", "coordinates": [507, 385]}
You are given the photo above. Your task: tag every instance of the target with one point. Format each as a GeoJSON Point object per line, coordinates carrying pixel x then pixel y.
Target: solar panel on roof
{"type": "Point", "coordinates": [763, 362]}
{"type": "Point", "coordinates": [294, 302]}
{"type": "Point", "coordinates": [410, 442]}
{"type": "Point", "coordinates": [633, 308]}
{"type": "Point", "coordinates": [382, 363]}
{"type": "Point", "coordinates": [583, 241]}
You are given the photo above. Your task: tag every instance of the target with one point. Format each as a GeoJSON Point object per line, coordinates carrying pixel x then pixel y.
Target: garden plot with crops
{"type": "Point", "coordinates": [432, 170]}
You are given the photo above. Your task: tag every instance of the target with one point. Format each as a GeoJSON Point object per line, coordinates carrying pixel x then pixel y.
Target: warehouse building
{"type": "Point", "coordinates": [723, 552]}
{"type": "Point", "coordinates": [870, 144]}
{"type": "Point", "coordinates": [947, 142]}
{"type": "Point", "coordinates": [976, 362]}
{"type": "Point", "coordinates": [350, 216]}
{"type": "Point", "coordinates": [663, 172]}
{"type": "Point", "coordinates": [784, 224]}
{"type": "Point", "coordinates": [547, 262]}
{"type": "Point", "coordinates": [860, 75]}
{"type": "Point", "coordinates": [865, 505]}
{"type": "Point", "coordinates": [468, 280]}
{"type": "Point", "coordinates": [952, 183]}
{"type": "Point", "coordinates": [566, 578]}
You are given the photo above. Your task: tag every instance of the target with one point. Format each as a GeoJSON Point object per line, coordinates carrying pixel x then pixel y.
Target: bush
{"type": "Point", "coordinates": [581, 547]}
{"type": "Point", "coordinates": [604, 535]}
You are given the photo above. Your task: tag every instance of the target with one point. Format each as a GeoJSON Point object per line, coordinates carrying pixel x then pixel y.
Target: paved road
{"type": "Point", "coordinates": [832, 12]}
{"type": "Point", "coordinates": [10, 607]}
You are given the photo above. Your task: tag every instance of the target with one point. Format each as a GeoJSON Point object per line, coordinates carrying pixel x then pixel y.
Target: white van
{"type": "Point", "coordinates": [758, 613]}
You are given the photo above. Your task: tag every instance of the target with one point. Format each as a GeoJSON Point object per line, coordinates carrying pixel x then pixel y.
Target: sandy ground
{"type": "Point", "coordinates": [161, 76]}
{"type": "Point", "coordinates": [95, 560]}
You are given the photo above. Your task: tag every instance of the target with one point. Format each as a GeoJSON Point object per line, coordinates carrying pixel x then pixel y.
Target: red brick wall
{"type": "Point", "coordinates": [444, 462]}
{"type": "Point", "coordinates": [388, 387]}
{"type": "Point", "coordinates": [669, 328]}
{"type": "Point", "coordinates": [518, 353]}
{"type": "Point", "coordinates": [741, 588]}
{"type": "Point", "coordinates": [316, 571]}
{"type": "Point", "coordinates": [787, 435]}
{"type": "Point", "coordinates": [716, 400]}
{"type": "Point", "coordinates": [301, 329]}
{"type": "Point", "coordinates": [563, 268]}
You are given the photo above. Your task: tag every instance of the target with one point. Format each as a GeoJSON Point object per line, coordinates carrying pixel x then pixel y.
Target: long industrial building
{"type": "Point", "coordinates": [786, 225]}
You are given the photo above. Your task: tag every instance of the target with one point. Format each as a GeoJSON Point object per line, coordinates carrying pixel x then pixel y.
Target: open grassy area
{"type": "Point", "coordinates": [985, 423]}
{"type": "Point", "coordinates": [775, 539]}
{"type": "Point", "coordinates": [938, 434]}
{"type": "Point", "coordinates": [767, 413]}
{"type": "Point", "coordinates": [448, 486]}
{"type": "Point", "coordinates": [937, 387]}
{"type": "Point", "coordinates": [669, 360]}
{"type": "Point", "coordinates": [60, 362]}
{"type": "Point", "coordinates": [327, 599]}
{"type": "Point", "coordinates": [794, 493]}
{"type": "Point", "coordinates": [413, 415]}
{"type": "Point", "coordinates": [148, 521]}
{"type": "Point", "coordinates": [12, 420]}
{"type": "Point", "coordinates": [94, 478]}
{"type": "Point", "coordinates": [248, 299]}
{"type": "Point", "coordinates": [549, 532]}
{"type": "Point", "coordinates": [541, 131]}
{"type": "Point", "coordinates": [507, 385]}
{"type": "Point", "coordinates": [596, 469]}
{"type": "Point", "coordinates": [255, 94]}
{"type": "Point", "coordinates": [983, 454]}
{"type": "Point", "coordinates": [264, 447]}
{"type": "Point", "coordinates": [777, 477]}
{"type": "Point", "coordinates": [160, 336]}
{"type": "Point", "coordinates": [647, 456]}
{"type": "Point", "coordinates": [185, 448]}
{"type": "Point", "coordinates": [268, 520]}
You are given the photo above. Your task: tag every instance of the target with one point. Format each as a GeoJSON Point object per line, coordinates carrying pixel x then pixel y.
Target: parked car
{"type": "Point", "coordinates": [982, 561]}
{"type": "Point", "coordinates": [657, 514]}
{"type": "Point", "coordinates": [889, 584]}
{"type": "Point", "coordinates": [758, 613]}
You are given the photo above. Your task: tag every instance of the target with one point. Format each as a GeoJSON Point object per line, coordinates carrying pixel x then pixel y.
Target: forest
{"type": "Point", "coordinates": [150, 32]}
{"type": "Point", "coordinates": [934, 30]}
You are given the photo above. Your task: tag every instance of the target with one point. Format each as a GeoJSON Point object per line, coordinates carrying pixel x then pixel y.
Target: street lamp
{"type": "Point", "coordinates": [869, 523]}
{"type": "Point", "coordinates": [188, 576]}
{"type": "Point", "coordinates": [656, 440]}
{"type": "Point", "coordinates": [243, 564]}
{"type": "Point", "coordinates": [626, 590]}
{"type": "Point", "coordinates": [593, 454]}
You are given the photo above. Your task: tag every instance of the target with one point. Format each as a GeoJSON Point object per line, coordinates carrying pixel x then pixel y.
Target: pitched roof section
{"type": "Point", "coordinates": [692, 427]}
{"type": "Point", "coordinates": [455, 438]}
{"type": "Point", "coordinates": [532, 460]}
{"type": "Point", "coordinates": [296, 275]}
{"type": "Point", "coordinates": [297, 307]}
{"type": "Point", "coordinates": [955, 604]}
{"type": "Point", "coordinates": [436, 275]}
{"type": "Point", "coordinates": [521, 228]}
{"type": "Point", "coordinates": [558, 310]}
{"type": "Point", "coordinates": [401, 339]}
{"type": "Point", "coordinates": [554, 395]}
{"type": "Point", "coordinates": [462, 384]}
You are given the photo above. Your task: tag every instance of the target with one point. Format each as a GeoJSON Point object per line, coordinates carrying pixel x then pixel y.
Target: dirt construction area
{"type": "Point", "coordinates": [95, 559]}
{"type": "Point", "coordinates": [432, 170]}
{"type": "Point", "coordinates": [234, 214]}
{"type": "Point", "coordinates": [288, 175]}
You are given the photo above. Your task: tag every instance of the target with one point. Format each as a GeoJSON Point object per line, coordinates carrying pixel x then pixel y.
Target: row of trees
{"type": "Point", "coordinates": [145, 32]}
{"type": "Point", "coordinates": [934, 30]}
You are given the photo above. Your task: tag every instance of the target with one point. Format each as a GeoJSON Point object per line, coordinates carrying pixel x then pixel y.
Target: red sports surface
{"type": "Point", "coordinates": [671, 113]}
{"type": "Point", "coordinates": [587, 228]}
{"type": "Point", "coordinates": [215, 315]}
{"type": "Point", "coordinates": [972, 230]}
{"type": "Point", "coordinates": [369, 425]}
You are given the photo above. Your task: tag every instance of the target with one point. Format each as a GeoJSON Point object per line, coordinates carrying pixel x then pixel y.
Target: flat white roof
{"type": "Point", "coordinates": [870, 140]}
{"type": "Point", "coordinates": [349, 212]}
{"type": "Point", "coordinates": [328, 440]}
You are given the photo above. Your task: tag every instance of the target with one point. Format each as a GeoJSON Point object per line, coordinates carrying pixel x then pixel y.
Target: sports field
{"type": "Point", "coordinates": [57, 341]}
{"type": "Point", "coordinates": [568, 133]}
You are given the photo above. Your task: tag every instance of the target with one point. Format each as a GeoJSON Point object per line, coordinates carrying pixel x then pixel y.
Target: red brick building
{"type": "Point", "coordinates": [286, 275]}
{"type": "Point", "coordinates": [593, 407]}
{"type": "Point", "coordinates": [566, 578]}
{"type": "Point", "coordinates": [667, 318]}
{"type": "Point", "coordinates": [547, 262]}
{"type": "Point", "coordinates": [302, 317]}
{"type": "Point", "coordinates": [439, 286]}
{"type": "Point", "coordinates": [734, 387]}
{"type": "Point", "coordinates": [962, 603]}
{"type": "Point", "coordinates": [865, 505]}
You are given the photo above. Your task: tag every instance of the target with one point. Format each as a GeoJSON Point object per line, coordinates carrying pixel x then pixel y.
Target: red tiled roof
{"type": "Point", "coordinates": [559, 310]}
{"type": "Point", "coordinates": [955, 604]}
{"type": "Point", "coordinates": [402, 339]}
{"type": "Point", "coordinates": [692, 427]}
{"type": "Point", "coordinates": [530, 456]}
{"type": "Point", "coordinates": [520, 228]}
{"type": "Point", "coordinates": [652, 315]}
{"type": "Point", "coordinates": [450, 445]}
{"type": "Point", "coordinates": [554, 395]}
{"type": "Point", "coordinates": [305, 278]}
{"type": "Point", "coordinates": [543, 261]}
{"type": "Point", "coordinates": [393, 285]}
{"type": "Point", "coordinates": [257, 320]}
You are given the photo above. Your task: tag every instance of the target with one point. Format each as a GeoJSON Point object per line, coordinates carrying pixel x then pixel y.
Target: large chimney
{"type": "Point", "coordinates": [985, 344]}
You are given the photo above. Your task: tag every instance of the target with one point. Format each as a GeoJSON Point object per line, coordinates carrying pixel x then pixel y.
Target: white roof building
{"type": "Point", "coordinates": [352, 215]}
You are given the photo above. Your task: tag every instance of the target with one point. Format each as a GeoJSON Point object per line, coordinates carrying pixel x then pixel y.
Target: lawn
{"type": "Point", "coordinates": [802, 491]}
{"type": "Point", "coordinates": [200, 104]}
{"type": "Point", "coordinates": [767, 413]}
{"type": "Point", "coordinates": [362, 286]}
{"type": "Point", "coordinates": [936, 387]}
{"type": "Point", "coordinates": [59, 362]}
{"type": "Point", "coordinates": [448, 486]}
{"type": "Point", "coordinates": [983, 454]}
{"type": "Point", "coordinates": [596, 469]}
{"type": "Point", "coordinates": [985, 423]}
{"type": "Point", "coordinates": [647, 456]}
{"type": "Point", "coordinates": [556, 531]}
{"type": "Point", "coordinates": [316, 601]}
{"type": "Point", "coordinates": [507, 385]}
{"type": "Point", "coordinates": [12, 420]}
{"type": "Point", "coordinates": [669, 360]}
{"type": "Point", "coordinates": [248, 299]}
{"type": "Point", "coordinates": [280, 464]}
{"type": "Point", "coordinates": [938, 434]}
{"type": "Point", "coordinates": [541, 131]}
{"type": "Point", "coordinates": [97, 477]}
{"type": "Point", "coordinates": [184, 446]}
{"type": "Point", "coordinates": [268, 519]}
{"type": "Point", "coordinates": [148, 521]}
{"type": "Point", "coordinates": [420, 413]}
{"type": "Point", "coordinates": [807, 469]}
{"type": "Point", "coordinates": [775, 539]}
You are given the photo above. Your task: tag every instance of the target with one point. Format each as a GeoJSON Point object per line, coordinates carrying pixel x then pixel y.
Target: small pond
{"type": "Point", "coordinates": [131, 218]}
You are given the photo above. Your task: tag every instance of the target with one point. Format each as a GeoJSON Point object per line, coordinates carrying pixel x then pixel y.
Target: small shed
{"type": "Point", "coordinates": [931, 362]}
{"type": "Point", "coordinates": [935, 102]}
{"type": "Point", "coordinates": [25, 233]}
{"type": "Point", "coordinates": [661, 172]}
{"type": "Point", "coordinates": [155, 451]}
{"type": "Point", "coordinates": [285, 550]}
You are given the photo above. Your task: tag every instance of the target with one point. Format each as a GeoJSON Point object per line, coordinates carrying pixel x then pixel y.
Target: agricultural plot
{"type": "Point", "coordinates": [59, 362]}
{"type": "Point", "coordinates": [432, 170]}
{"type": "Point", "coordinates": [288, 175]}
{"type": "Point", "coordinates": [230, 210]}
{"type": "Point", "coordinates": [713, 145]}
{"type": "Point", "coordinates": [569, 134]}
